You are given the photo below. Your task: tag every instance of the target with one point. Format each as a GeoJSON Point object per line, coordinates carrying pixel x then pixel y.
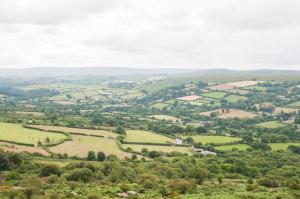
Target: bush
{"type": "Point", "coordinates": [100, 156]}
{"type": "Point", "coordinates": [269, 182]}
{"type": "Point", "coordinates": [91, 156]}
{"type": "Point", "coordinates": [81, 174]}
{"type": "Point", "coordinates": [183, 186]}
{"type": "Point", "coordinates": [13, 176]}
{"type": "Point", "coordinates": [4, 162]}
{"type": "Point", "coordinates": [50, 169]}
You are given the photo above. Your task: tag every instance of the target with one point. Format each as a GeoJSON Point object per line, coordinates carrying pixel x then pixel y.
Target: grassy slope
{"type": "Point", "coordinates": [145, 136]}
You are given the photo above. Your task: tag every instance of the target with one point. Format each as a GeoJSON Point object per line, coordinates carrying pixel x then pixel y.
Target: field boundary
{"type": "Point", "coordinates": [17, 143]}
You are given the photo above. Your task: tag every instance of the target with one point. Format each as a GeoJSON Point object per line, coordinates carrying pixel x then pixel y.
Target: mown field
{"type": "Point", "coordinates": [81, 145]}
{"type": "Point", "coordinates": [282, 146]}
{"type": "Point", "coordinates": [205, 139]}
{"type": "Point", "coordinates": [235, 98]}
{"type": "Point", "coordinates": [76, 130]}
{"type": "Point", "coordinates": [140, 136]}
{"type": "Point", "coordinates": [241, 147]}
{"type": "Point", "coordinates": [165, 149]}
{"type": "Point", "coordinates": [215, 95]}
{"type": "Point", "coordinates": [20, 148]}
{"type": "Point", "coordinates": [165, 117]}
{"type": "Point", "coordinates": [17, 133]}
{"type": "Point", "coordinates": [271, 125]}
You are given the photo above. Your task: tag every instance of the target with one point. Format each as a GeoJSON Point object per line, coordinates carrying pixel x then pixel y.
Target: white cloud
{"type": "Point", "coordinates": [150, 33]}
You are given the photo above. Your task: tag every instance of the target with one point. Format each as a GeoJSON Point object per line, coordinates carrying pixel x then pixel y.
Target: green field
{"type": "Point", "coordinates": [17, 133]}
{"type": "Point", "coordinates": [282, 146]}
{"type": "Point", "coordinates": [271, 125]}
{"type": "Point", "coordinates": [76, 130]}
{"type": "Point", "coordinates": [159, 105]}
{"type": "Point", "coordinates": [204, 139]}
{"type": "Point", "coordinates": [81, 145]}
{"type": "Point", "coordinates": [256, 88]}
{"type": "Point", "coordinates": [235, 98]}
{"type": "Point", "coordinates": [140, 136]}
{"type": "Point", "coordinates": [215, 95]}
{"type": "Point", "coordinates": [165, 117]}
{"type": "Point", "coordinates": [165, 149]}
{"type": "Point", "coordinates": [241, 147]}
{"type": "Point", "coordinates": [294, 105]}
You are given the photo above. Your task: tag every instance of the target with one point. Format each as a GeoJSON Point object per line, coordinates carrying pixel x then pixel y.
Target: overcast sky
{"type": "Point", "coordinates": [236, 34]}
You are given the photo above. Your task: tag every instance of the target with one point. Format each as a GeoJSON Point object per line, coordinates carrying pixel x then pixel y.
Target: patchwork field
{"type": "Point", "coordinates": [33, 114]}
{"type": "Point", "coordinates": [256, 88]}
{"type": "Point", "coordinates": [282, 146]}
{"type": "Point", "coordinates": [76, 130]}
{"type": "Point", "coordinates": [159, 105]}
{"type": "Point", "coordinates": [271, 125]}
{"type": "Point", "coordinates": [81, 145]}
{"type": "Point", "coordinates": [235, 98]}
{"type": "Point", "coordinates": [239, 91]}
{"type": "Point", "coordinates": [205, 139]}
{"type": "Point", "coordinates": [140, 136]}
{"type": "Point", "coordinates": [241, 84]}
{"type": "Point", "coordinates": [241, 147]}
{"type": "Point", "coordinates": [215, 95]}
{"type": "Point", "coordinates": [165, 149]}
{"type": "Point", "coordinates": [279, 110]}
{"type": "Point", "coordinates": [222, 87]}
{"type": "Point", "coordinates": [20, 148]}
{"type": "Point", "coordinates": [17, 133]}
{"type": "Point", "coordinates": [165, 117]}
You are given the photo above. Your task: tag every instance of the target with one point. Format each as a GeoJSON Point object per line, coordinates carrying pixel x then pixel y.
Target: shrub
{"type": "Point", "coordinates": [81, 174]}
{"type": "Point", "coordinates": [100, 156]}
{"type": "Point", "coordinates": [183, 186]}
{"type": "Point", "coordinates": [269, 182]}
{"type": "Point", "coordinates": [91, 156]}
{"type": "Point", "coordinates": [50, 169]}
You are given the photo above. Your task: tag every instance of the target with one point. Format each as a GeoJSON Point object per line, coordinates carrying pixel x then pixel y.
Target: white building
{"type": "Point", "coordinates": [177, 141]}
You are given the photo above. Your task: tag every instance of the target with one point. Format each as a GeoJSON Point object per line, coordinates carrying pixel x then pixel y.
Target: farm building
{"type": "Point", "coordinates": [177, 141]}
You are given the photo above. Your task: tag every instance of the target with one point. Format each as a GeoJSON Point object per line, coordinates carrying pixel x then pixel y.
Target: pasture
{"type": "Point", "coordinates": [282, 146]}
{"type": "Point", "coordinates": [159, 106]}
{"type": "Point", "coordinates": [235, 98]}
{"type": "Point", "coordinates": [215, 95]}
{"type": "Point", "coordinates": [241, 147]}
{"type": "Point", "coordinates": [189, 98]}
{"type": "Point", "coordinates": [81, 145]}
{"type": "Point", "coordinates": [294, 104]}
{"type": "Point", "coordinates": [256, 88]}
{"type": "Point", "coordinates": [206, 139]}
{"type": "Point", "coordinates": [279, 110]}
{"type": "Point", "coordinates": [271, 125]}
{"type": "Point", "coordinates": [165, 149]}
{"type": "Point", "coordinates": [139, 136]}
{"type": "Point", "coordinates": [20, 148]}
{"type": "Point", "coordinates": [165, 117]}
{"type": "Point", "coordinates": [232, 113]}
{"type": "Point", "coordinates": [76, 130]}
{"type": "Point", "coordinates": [19, 134]}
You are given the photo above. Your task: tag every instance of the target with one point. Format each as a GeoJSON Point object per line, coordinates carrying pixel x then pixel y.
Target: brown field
{"type": "Point", "coordinates": [81, 145]}
{"type": "Point", "coordinates": [104, 133]}
{"type": "Point", "coordinates": [278, 110]}
{"type": "Point", "coordinates": [222, 87]}
{"type": "Point", "coordinates": [189, 98]}
{"type": "Point", "coordinates": [233, 113]}
{"type": "Point", "coordinates": [20, 148]}
{"type": "Point", "coordinates": [242, 84]}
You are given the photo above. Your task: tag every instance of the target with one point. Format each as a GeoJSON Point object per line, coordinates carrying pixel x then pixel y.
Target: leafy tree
{"type": "Point", "coordinates": [100, 156]}
{"type": "Point", "coordinates": [91, 156]}
{"type": "Point", "coordinates": [120, 130]}
{"type": "Point", "coordinates": [80, 174]}
{"type": "Point", "coordinates": [50, 169]}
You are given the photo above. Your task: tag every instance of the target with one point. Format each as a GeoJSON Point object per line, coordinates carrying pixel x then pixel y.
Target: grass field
{"type": "Point", "coordinates": [215, 95]}
{"type": "Point", "coordinates": [271, 125]}
{"type": "Point", "coordinates": [139, 136]}
{"type": "Point", "coordinates": [282, 146]}
{"type": "Point", "coordinates": [165, 117]}
{"type": "Point", "coordinates": [165, 149]}
{"type": "Point", "coordinates": [159, 105]}
{"type": "Point", "coordinates": [294, 105]}
{"type": "Point", "coordinates": [76, 130]}
{"type": "Point", "coordinates": [33, 114]}
{"type": "Point", "coordinates": [81, 145]}
{"type": "Point", "coordinates": [241, 147]}
{"type": "Point", "coordinates": [204, 139]}
{"type": "Point", "coordinates": [17, 133]}
{"type": "Point", "coordinates": [235, 98]}
{"type": "Point", "coordinates": [20, 148]}
{"type": "Point", "coordinates": [256, 88]}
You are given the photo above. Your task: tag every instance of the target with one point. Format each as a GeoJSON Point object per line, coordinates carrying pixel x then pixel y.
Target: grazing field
{"type": "Point", "coordinates": [239, 91]}
{"type": "Point", "coordinates": [165, 117]}
{"type": "Point", "coordinates": [271, 125]}
{"type": "Point", "coordinates": [256, 88]}
{"type": "Point", "coordinates": [215, 95]}
{"type": "Point", "coordinates": [235, 98]}
{"type": "Point", "coordinates": [222, 87]}
{"type": "Point", "coordinates": [17, 133]}
{"type": "Point", "coordinates": [189, 98]}
{"type": "Point", "coordinates": [76, 130]}
{"type": "Point", "coordinates": [232, 113]}
{"type": "Point", "coordinates": [165, 149]}
{"type": "Point", "coordinates": [81, 145]}
{"type": "Point", "coordinates": [132, 95]}
{"type": "Point", "coordinates": [279, 110]}
{"type": "Point", "coordinates": [282, 146]}
{"type": "Point", "coordinates": [20, 148]}
{"type": "Point", "coordinates": [294, 104]}
{"type": "Point", "coordinates": [159, 105]}
{"type": "Point", "coordinates": [140, 136]}
{"type": "Point", "coordinates": [206, 139]}
{"type": "Point", "coordinates": [64, 102]}
{"type": "Point", "coordinates": [34, 114]}
{"type": "Point", "coordinates": [241, 147]}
